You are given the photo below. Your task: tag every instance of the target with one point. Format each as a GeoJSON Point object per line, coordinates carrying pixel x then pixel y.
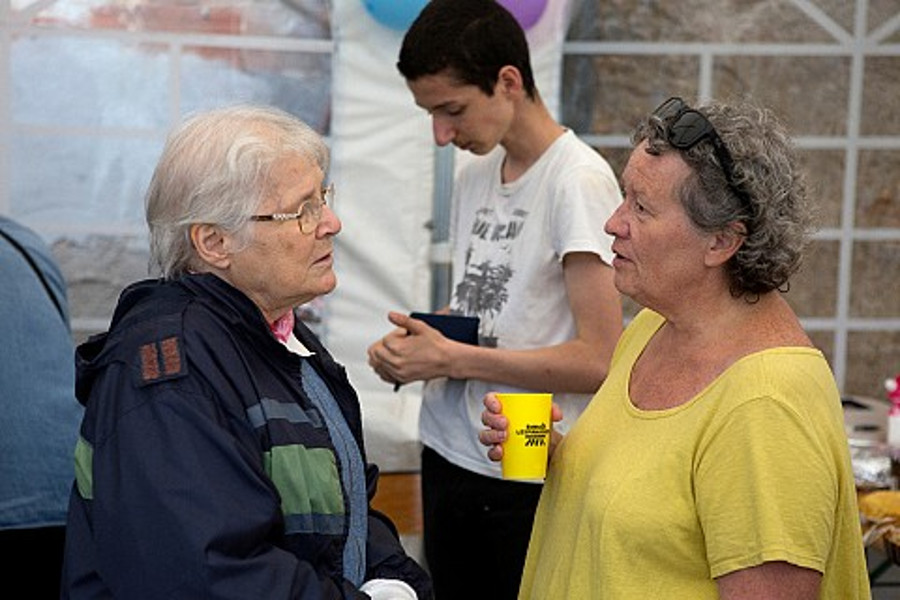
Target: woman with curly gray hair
{"type": "Point", "coordinates": [754, 183]}
{"type": "Point", "coordinates": [712, 463]}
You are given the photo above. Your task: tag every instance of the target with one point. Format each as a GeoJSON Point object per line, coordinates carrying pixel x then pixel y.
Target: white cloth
{"type": "Point", "coordinates": [388, 589]}
{"type": "Point", "coordinates": [508, 244]}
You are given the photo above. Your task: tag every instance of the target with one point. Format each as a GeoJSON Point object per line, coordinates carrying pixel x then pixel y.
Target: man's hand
{"type": "Point", "coordinates": [413, 351]}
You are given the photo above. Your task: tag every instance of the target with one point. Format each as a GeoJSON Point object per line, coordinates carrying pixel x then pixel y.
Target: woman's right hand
{"type": "Point", "coordinates": [498, 426]}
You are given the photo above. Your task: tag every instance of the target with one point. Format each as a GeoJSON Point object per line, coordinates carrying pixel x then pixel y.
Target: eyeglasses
{"type": "Point", "coordinates": [686, 127]}
{"type": "Point", "coordinates": [309, 215]}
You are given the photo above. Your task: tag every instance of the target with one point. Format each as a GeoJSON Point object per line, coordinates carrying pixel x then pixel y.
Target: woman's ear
{"type": "Point", "coordinates": [724, 244]}
{"type": "Point", "coordinates": [211, 245]}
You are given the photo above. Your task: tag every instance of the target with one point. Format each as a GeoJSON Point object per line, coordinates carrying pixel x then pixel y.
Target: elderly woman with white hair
{"type": "Point", "coordinates": [221, 454]}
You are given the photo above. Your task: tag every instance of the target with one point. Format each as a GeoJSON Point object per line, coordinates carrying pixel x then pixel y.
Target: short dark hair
{"type": "Point", "coordinates": [472, 39]}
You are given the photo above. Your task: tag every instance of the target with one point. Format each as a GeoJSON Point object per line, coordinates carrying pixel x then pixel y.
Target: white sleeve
{"type": "Point", "coordinates": [583, 202]}
{"type": "Point", "coordinates": [388, 589]}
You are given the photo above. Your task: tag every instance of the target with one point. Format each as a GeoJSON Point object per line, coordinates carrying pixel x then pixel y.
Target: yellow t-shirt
{"type": "Point", "coordinates": [656, 504]}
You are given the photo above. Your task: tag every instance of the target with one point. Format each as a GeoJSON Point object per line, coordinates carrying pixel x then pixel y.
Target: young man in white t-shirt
{"type": "Point", "coordinates": [530, 259]}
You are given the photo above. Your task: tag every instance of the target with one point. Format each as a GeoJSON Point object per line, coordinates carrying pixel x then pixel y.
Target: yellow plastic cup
{"type": "Point", "coordinates": [525, 448]}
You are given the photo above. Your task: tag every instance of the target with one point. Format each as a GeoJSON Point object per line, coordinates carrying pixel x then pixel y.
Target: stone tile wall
{"type": "Point", "coordinates": [831, 70]}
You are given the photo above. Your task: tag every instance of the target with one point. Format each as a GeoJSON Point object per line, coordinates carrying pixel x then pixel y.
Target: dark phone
{"type": "Point", "coordinates": [456, 327]}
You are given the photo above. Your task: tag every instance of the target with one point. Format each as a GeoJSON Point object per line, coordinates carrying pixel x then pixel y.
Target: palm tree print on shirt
{"type": "Point", "coordinates": [483, 291]}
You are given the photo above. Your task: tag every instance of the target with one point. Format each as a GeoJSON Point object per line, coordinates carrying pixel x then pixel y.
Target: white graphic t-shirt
{"type": "Point", "coordinates": [508, 244]}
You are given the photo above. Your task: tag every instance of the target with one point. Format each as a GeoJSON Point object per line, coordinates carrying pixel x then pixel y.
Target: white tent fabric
{"type": "Point", "coordinates": [383, 167]}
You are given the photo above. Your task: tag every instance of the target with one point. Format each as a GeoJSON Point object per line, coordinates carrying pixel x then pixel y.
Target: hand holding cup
{"type": "Point", "coordinates": [507, 435]}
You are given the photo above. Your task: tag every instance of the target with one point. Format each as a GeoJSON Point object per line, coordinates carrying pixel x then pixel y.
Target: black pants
{"type": "Point", "coordinates": [476, 530]}
{"type": "Point", "coordinates": [32, 561]}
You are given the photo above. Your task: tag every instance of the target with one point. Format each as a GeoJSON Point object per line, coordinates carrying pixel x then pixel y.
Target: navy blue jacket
{"type": "Point", "coordinates": [203, 470]}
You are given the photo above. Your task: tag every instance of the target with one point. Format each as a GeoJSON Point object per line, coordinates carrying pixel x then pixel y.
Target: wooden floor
{"type": "Point", "coordinates": [399, 497]}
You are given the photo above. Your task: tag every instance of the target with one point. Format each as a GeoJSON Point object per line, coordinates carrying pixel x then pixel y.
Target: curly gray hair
{"type": "Point", "coordinates": [775, 209]}
{"type": "Point", "coordinates": [214, 169]}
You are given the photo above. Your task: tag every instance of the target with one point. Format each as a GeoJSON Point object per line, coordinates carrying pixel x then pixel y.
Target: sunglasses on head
{"type": "Point", "coordinates": [686, 127]}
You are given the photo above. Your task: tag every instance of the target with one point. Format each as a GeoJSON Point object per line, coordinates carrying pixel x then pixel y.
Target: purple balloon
{"type": "Point", "coordinates": [526, 12]}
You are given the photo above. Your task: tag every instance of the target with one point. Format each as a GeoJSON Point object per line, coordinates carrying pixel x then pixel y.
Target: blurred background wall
{"type": "Point", "coordinates": [90, 87]}
{"type": "Point", "coordinates": [831, 70]}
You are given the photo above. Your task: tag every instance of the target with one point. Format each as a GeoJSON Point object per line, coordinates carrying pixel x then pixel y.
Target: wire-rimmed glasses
{"type": "Point", "coordinates": [309, 215]}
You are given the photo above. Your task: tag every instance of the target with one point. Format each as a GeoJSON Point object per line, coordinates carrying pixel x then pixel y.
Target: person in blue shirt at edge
{"type": "Point", "coordinates": [40, 414]}
{"type": "Point", "coordinates": [713, 462]}
{"type": "Point", "coordinates": [221, 453]}
{"type": "Point", "coordinates": [530, 260]}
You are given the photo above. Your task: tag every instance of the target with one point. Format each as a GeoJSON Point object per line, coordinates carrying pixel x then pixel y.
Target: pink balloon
{"type": "Point", "coordinates": [526, 12]}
